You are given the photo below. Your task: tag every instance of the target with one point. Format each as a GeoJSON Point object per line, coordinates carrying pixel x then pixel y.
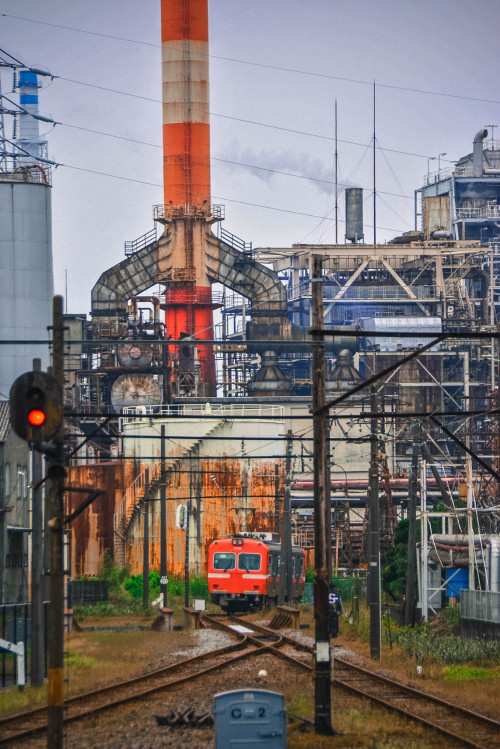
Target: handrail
{"type": "Point", "coordinates": [170, 212]}
{"type": "Point", "coordinates": [236, 242]}
{"type": "Point", "coordinates": [135, 245]}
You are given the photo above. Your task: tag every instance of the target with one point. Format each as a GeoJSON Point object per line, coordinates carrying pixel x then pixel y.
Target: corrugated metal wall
{"type": "Point", "coordinates": [92, 531]}
{"type": "Point", "coordinates": [225, 499]}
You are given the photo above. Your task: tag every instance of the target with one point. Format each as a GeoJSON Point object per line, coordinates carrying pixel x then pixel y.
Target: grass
{"type": "Point", "coordinates": [97, 658]}
{"type": "Point", "coordinates": [468, 673]}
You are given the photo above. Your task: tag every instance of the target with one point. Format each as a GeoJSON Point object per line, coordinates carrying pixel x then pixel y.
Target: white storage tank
{"type": "Point", "coordinates": [26, 277]}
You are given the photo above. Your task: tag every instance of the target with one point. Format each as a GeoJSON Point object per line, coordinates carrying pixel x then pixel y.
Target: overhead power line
{"type": "Point", "coordinates": [267, 66]}
{"type": "Point", "coordinates": [219, 197]}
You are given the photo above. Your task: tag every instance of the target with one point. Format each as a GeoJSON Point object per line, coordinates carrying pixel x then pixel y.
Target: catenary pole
{"type": "Point", "coordinates": [322, 678]}
{"type": "Point", "coordinates": [285, 590]}
{"type": "Point", "coordinates": [145, 545]}
{"type": "Point", "coordinates": [37, 626]}
{"type": "Point", "coordinates": [373, 582]}
{"type": "Point", "coordinates": [163, 520]}
{"type": "Point", "coordinates": [57, 474]}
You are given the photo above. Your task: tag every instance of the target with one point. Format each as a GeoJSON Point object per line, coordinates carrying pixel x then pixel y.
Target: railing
{"type": "Point", "coordinates": [32, 173]}
{"type": "Point", "coordinates": [235, 242]}
{"type": "Point", "coordinates": [138, 244]}
{"type": "Point", "coordinates": [15, 626]}
{"type": "Point", "coordinates": [439, 176]}
{"type": "Point", "coordinates": [359, 292]}
{"type": "Point", "coordinates": [485, 211]}
{"type": "Point", "coordinates": [194, 411]}
{"type": "Point", "coordinates": [171, 212]}
{"type": "Point", "coordinates": [483, 605]}
{"type": "Point", "coordinates": [126, 507]}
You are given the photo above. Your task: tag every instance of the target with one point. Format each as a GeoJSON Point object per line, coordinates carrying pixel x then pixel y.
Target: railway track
{"type": "Point", "coordinates": [33, 722]}
{"type": "Point", "coordinates": [469, 728]}
{"type": "Point", "coordinates": [30, 723]}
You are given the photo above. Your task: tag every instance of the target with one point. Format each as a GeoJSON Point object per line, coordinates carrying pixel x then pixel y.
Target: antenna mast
{"type": "Point", "coordinates": [374, 173]}
{"type": "Point", "coordinates": [336, 180]}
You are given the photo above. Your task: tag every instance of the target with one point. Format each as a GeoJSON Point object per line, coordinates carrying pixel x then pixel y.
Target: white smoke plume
{"type": "Point", "coordinates": [267, 165]}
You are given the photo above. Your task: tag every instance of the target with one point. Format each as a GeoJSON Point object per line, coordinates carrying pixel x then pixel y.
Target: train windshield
{"type": "Point", "coordinates": [224, 560]}
{"type": "Point", "coordinates": [249, 562]}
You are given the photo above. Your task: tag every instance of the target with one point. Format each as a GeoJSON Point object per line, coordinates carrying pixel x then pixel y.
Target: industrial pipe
{"type": "Point", "coordinates": [477, 153]}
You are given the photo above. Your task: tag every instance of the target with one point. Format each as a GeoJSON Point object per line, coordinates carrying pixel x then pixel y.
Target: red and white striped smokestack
{"type": "Point", "coordinates": [185, 97]}
{"type": "Point", "coordinates": [186, 174]}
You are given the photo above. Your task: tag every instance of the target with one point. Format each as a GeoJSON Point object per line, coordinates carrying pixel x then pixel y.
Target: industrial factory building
{"type": "Point", "coordinates": [198, 349]}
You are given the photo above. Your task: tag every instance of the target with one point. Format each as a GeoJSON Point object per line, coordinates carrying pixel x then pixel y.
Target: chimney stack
{"type": "Point", "coordinates": [185, 97]}
{"type": "Point", "coordinates": [186, 175]}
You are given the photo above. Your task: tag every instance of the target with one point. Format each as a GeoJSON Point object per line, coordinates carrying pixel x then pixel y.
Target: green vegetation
{"type": "Point", "coordinates": [107, 609]}
{"type": "Point", "coordinates": [466, 673]}
{"type": "Point", "coordinates": [77, 661]}
{"type": "Point", "coordinates": [115, 575]}
{"type": "Point", "coordinates": [134, 585]}
{"type": "Point", "coordinates": [423, 644]}
{"type": "Point", "coordinates": [394, 572]}
{"type": "Point", "coordinates": [125, 591]}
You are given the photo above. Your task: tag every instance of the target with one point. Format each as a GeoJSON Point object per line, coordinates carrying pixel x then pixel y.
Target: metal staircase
{"type": "Point", "coordinates": [127, 509]}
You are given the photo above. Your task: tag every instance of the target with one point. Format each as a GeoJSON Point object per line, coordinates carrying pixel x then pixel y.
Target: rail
{"type": "Point", "coordinates": [483, 605]}
{"type": "Point", "coordinates": [439, 176]}
{"type": "Point", "coordinates": [236, 242]}
{"type": "Point", "coordinates": [126, 506]}
{"type": "Point", "coordinates": [165, 213]}
{"type": "Point", "coordinates": [365, 292]}
{"type": "Point", "coordinates": [130, 413]}
{"type": "Point", "coordinates": [140, 243]}
{"type": "Point", "coordinates": [485, 211]}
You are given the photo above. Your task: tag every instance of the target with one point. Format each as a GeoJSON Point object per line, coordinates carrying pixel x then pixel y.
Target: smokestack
{"type": "Point", "coordinates": [477, 154]}
{"type": "Point", "coordinates": [29, 136]}
{"type": "Point", "coordinates": [354, 214]}
{"type": "Point", "coordinates": [186, 174]}
{"type": "Point", "coordinates": [185, 96]}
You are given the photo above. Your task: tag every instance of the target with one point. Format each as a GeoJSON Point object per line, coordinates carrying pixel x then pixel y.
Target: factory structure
{"type": "Point", "coordinates": [198, 352]}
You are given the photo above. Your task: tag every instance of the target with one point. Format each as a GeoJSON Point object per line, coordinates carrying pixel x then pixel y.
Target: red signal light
{"type": "Point", "coordinates": [36, 417]}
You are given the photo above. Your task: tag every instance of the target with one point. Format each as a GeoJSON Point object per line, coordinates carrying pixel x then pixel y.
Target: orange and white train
{"type": "Point", "coordinates": [243, 571]}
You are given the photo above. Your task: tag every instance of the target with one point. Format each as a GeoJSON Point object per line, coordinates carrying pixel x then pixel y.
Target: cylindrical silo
{"type": "Point", "coordinates": [26, 280]}
{"type": "Point", "coordinates": [354, 214]}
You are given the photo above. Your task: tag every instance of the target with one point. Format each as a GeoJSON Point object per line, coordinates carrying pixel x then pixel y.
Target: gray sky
{"type": "Point", "coordinates": [446, 46]}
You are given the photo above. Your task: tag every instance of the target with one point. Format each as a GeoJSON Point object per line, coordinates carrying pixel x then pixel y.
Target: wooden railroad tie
{"type": "Point", "coordinates": [285, 617]}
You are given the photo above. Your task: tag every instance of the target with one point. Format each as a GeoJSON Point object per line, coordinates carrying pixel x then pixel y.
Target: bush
{"type": "Point", "coordinates": [134, 585]}
{"type": "Point", "coordinates": [198, 587]}
{"type": "Point", "coordinates": [107, 609]}
{"type": "Point", "coordinates": [451, 649]}
{"type": "Point", "coordinates": [115, 575]}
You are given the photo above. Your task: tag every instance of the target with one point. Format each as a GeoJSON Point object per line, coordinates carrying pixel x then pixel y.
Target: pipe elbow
{"type": "Point", "coordinates": [480, 135]}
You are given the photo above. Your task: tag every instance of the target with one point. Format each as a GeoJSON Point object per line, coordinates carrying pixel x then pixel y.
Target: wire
{"type": "Point", "coordinates": [214, 158]}
{"type": "Point", "coordinates": [216, 197]}
{"type": "Point", "coordinates": [298, 71]}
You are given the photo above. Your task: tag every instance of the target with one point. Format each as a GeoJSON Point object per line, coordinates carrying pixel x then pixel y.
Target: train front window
{"type": "Point", "coordinates": [249, 562]}
{"type": "Point", "coordinates": [224, 560]}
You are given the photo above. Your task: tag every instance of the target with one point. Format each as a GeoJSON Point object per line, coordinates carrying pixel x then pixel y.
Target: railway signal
{"type": "Point", "coordinates": [36, 407]}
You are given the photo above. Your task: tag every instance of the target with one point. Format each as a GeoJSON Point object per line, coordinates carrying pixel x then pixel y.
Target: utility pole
{"type": "Point", "coordinates": [285, 591]}
{"type": "Point", "coordinates": [322, 678]}
{"type": "Point", "coordinates": [163, 521]}
{"type": "Point", "coordinates": [373, 581]}
{"type": "Point", "coordinates": [188, 522]}
{"type": "Point", "coordinates": [37, 624]}
{"type": "Point", "coordinates": [145, 545]}
{"type": "Point", "coordinates": [424, 535]}
{"type": "Point", "coordinates": [411, 567]}
{"type": "Point", "coordinates": [56, 475]}
{"type": "Point", "coordinates": [276, 498]}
